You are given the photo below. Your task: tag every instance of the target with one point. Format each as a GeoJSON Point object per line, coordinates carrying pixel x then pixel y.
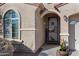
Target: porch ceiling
{"type": "Point", "coordinates": [69, 9]}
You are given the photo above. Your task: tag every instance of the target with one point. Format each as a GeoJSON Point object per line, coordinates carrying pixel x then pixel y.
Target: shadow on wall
{"type": "Point", "coordinates": [73, 33]}
{"type": "Point", "coordinates": [71, 36]}
{"type": "Point", "coordinates": [21, 50]}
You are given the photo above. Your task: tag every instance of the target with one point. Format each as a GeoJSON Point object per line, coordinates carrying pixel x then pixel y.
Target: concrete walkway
{"type": "Point", "coordinates": [75, 53]}
{"type": "Point", "coordinates": [49, 50]}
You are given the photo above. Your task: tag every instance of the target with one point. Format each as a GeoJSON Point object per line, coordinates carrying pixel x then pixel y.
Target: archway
{"type": "Point", "coordinates": [52, 28]}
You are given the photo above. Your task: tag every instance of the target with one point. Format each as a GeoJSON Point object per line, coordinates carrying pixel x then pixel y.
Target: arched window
{"type": "Point", "coordinates": [11, 24]}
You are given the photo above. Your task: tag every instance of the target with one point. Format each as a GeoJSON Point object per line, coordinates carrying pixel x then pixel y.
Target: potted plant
{"type": "Point", "coordinates": [62, 51]}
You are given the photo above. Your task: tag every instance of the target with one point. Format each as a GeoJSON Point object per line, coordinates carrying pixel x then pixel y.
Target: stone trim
{"type": "Point", "coordinates": [28, 29]}
{"type": "Point", "coordinates": [17, 40]}
{"type": "Point", "coordinates": [64, 34]}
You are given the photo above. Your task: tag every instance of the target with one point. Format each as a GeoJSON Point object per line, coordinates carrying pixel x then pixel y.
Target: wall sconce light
{"type": "Point", "coordinates": [66, 18]}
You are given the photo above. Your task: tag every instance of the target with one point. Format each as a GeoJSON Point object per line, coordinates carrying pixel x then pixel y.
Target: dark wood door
{"type": "Point", "coordinates": [52, 31]}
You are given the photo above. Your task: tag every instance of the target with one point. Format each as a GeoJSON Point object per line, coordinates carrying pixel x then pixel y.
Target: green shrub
{"type": "Point", "coordinates": [6, 47]}
{"type": "Point", "coordinates": [63, 46]}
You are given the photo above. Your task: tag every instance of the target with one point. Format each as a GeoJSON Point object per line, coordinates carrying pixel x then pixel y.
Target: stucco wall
{"type": "Point", "coordinates": [49, 6]}
{"type": "Point", "coordinates": [27, 17]}
{"type": "Point", "coordinates": [40, 33]}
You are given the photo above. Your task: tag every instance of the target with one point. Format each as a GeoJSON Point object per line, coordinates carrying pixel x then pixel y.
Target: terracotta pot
{"type": "Point", "coordinates": [61, 53]}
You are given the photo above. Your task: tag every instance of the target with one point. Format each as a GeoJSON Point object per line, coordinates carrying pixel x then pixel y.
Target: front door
{"type": "Point", "coordinates": [52, 30]}
{"type": "Point", "coordinates": [74, 35]}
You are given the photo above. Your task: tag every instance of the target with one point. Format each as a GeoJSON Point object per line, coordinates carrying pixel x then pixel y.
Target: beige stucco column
{"type": "Point", "coordinates": [64, 29]}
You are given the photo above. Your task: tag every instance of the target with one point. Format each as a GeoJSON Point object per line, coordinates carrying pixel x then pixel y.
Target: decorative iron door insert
{"type": "Point", "coordinates": [52, 30]}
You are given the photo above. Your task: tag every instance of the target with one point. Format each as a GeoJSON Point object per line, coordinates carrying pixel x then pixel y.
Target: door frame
{"type": "Point", "coordinates": [58, 31]}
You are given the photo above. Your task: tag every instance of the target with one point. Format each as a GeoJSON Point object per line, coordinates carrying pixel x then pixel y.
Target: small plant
{"type": "Point", "coordinates": [62, 45]}
{"type": "Point", "coordinates": [63, 50]}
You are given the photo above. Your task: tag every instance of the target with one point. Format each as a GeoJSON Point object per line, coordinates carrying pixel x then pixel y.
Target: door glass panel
{"type": "Point", "coordinates": [52, 27]}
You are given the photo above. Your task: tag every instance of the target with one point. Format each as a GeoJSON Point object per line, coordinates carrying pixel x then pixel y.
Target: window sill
{"type": "Point", "coordinates": [64, 34]}
{"type": "Point", "coordinates": [16, 41]}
